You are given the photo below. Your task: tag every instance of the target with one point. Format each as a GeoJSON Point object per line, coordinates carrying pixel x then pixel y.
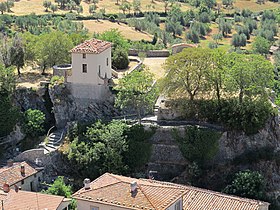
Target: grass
{"type": "Point", "coordinates": [25, 7]}
{"type": "Point", "coordinates": [126, 31]}
{"type": "Point", "coordinates": [252, 5]}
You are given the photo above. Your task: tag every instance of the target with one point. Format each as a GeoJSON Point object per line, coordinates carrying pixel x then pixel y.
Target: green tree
{"type": "Point", "coordinates": [198, 144]}
{"type": "Point", "coordinates": [239, 40]}
{"type": "Point", "coordinates": [9, 5]}
{"type": "Point", "coordinates": [224, 26]}
{"type": "Point", "coordinates": [47, 5]}
{"type": "Point", "coordinates": [53, 8]}
{"type": "Point", "coordinates": [249, 75]}
{"type": "Point", "coordinates": [8, 112]}
{"type": "Point", "coordinates": [17, 53]}
{"type": "Point", "coordinates": [119, 49]}
{"type": "Point", "coordinates": [136, 91]}
{"type": "Point", "coordinates": [261, 45]}
{"type": "Point", "coordinates": [217, 37]}
{"type": "Point", "coordinates": [92, 9]}
{"type": "Point", "coordinates": [100, 150]}
{"type": "Point", "coordinates": [136, 4]}
{"type": "Point", "coordinates": [59, 188]}
{"type": "Point", "coordinates": [3, 7]}
{"type": "Point", "coordinates": [250, 184]}
{"type": "Point", "coordinates": [33, 122]}
{"type": "Point", "coordinates": [120, 58]}
{"type": "Point", "coordinates": [52, 49]}
{"type": "Point", "coordinates": [186, 72]}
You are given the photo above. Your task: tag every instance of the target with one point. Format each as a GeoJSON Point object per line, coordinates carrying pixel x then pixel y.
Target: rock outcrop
{"type": "Point", "coordinates": [66, 108]}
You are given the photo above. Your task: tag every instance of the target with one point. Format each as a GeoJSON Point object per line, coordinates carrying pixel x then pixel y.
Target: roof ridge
{"type": "Point", "coordinates": [94, 181]}
{"type": "Point", "coordinates": [146, 196]}
{"type": "Point", "coordinates": [220, 194]}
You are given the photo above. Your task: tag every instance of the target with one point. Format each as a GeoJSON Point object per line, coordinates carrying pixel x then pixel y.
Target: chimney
{"type": "Point", "coordinates": [133, 186]}
{"type": "Point", "coordinates": [22, 170]}
{"type": "Point", "coordinates": [6, 187]}
{"type": "Point", "coordinates": [153, 175]}
{"type": "Point", "coordinates": [87, 184]}
{"type": "Point", "coordinates": [10, 162]}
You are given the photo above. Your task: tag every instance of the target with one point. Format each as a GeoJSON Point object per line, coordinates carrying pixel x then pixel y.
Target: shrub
{"type": "Point", "coordinates": [33, 122]}
{"type": "Point", "coordinates": [120, 58]}
{"type": "Point", "coordinates": [250, 184]}
{"type": "Point", "coordinates": [57, 80]}
{"type": "Point", "coordinates": [198, 144]}
{"type": "Point", "coordinates": [249, 116]}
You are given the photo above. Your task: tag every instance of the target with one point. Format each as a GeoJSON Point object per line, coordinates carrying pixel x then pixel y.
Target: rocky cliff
{"type": "Point", "coordinates": [66, 108]}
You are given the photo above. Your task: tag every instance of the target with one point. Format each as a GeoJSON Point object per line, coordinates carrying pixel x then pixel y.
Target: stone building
{"type": "Point", "coordinates": [90, 72]}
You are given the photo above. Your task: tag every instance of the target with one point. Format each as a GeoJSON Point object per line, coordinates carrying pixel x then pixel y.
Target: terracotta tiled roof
{"type": "Point", "coordinates": [12, 175]}
{"type": "Point", "coordinates": [114, 190]}
{"type": "Point", "coordinates": [92, 46]}
{"type": "Point", "coordinates": [3, 196]}
{"type": "Point", "coordinates": [24, 200]}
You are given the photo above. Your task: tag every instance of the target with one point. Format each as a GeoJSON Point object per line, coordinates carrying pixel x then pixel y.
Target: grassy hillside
{"type": "Point", "coordinates": [24, 7]}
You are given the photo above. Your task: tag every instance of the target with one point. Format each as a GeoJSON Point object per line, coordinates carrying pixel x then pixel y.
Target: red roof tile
{"type": "Point", "coordinates": [114, 190]}
{"type": "Point", "coordinates": [24, 200]}
{"type": "Point", "coordinates": [12, 175]}
{"type": "Point", "coordinates": [95, 46]}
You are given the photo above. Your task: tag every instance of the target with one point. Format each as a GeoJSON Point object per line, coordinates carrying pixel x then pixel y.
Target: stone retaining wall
{"type": "Point", "coordinates": [150, 53]}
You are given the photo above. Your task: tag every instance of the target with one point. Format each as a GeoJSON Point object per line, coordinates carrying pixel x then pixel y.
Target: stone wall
{"type": "Point", "coordinates": [166, 157]}
{"type": "Point", "coordinates": [150, 53]}
{"type": "Point", "coordinates": [31, 156]}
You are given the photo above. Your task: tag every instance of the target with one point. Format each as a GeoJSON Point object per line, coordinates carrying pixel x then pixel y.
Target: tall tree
{"type": "Point", "coordinates": [8, 112]}
{"type": "Point", "coordinates": [261, 45]}
{"type": "Point", "coordinates": [17, 53]}
{"type": "Point", "coordinates": [52, 49]}
{"type": "Point", "coordinates": [186, 72]}
{"type": "Point", "coordinates": [249, 75]}
{"type": "Point", "coordinates": [136, 91]}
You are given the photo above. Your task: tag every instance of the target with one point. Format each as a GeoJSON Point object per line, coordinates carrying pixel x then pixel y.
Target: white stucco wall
{"type": "Point", "coordinates": [35, 182]}
{"type": "Point", "coordinates": [172, 207]}
{"type": "Point", "coordinates": [93, 62]}
{"type": "Point", "coordinates": [63, 205]}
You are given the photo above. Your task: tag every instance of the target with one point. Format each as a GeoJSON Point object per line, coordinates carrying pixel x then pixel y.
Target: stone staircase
{"type": "Point", "coordinates": [54, 140]}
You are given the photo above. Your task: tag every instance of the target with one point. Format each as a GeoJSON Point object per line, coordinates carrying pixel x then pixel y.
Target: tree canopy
{"type": "Point", "coordinates": [136, 91]}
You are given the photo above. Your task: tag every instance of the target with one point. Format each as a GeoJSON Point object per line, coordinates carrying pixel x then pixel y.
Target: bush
{"type": "Point", "coordinates": [120, 58]}
{"type": "Point", "coordinates": [250, 184]}
{"type": "Point", "coordinates": [57, 80]}
{"type": "Point", "coordinates": [198, 144]}
{"type": "Point", "coordinates": [33, 122]}
{"type": "Point", "coordinates": [249, 116]}
{"type": "Point", "coordinates": [139, 147]}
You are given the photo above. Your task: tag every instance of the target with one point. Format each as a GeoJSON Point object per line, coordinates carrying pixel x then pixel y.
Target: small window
{"type": "Point", "coordinates": [84, 55]}
{"type": "Point", "coordinates": [22, 182]}
{"type": "Point", "coordinates": [107, 61]}
{"type": "Point", "coordinates": [99, 68]}
{"type": "Point", "coordinates": [35, 175]}
{"type": "Point", "coordinates": [84, 68]}
{"type": "Point", "coordinates": [94, 208]}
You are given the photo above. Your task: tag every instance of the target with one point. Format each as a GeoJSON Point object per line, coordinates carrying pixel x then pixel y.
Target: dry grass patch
{"type": "Point", "coordinates": [252, 5]}
{"type": "Point", "coordinates": [126, 31]}
{"type": "Point", "coordinates": [25, 7]}
{"type": "Point", "coordinates": [31, 78]}
{"type": "Point", "coordinates": [155, 66]}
